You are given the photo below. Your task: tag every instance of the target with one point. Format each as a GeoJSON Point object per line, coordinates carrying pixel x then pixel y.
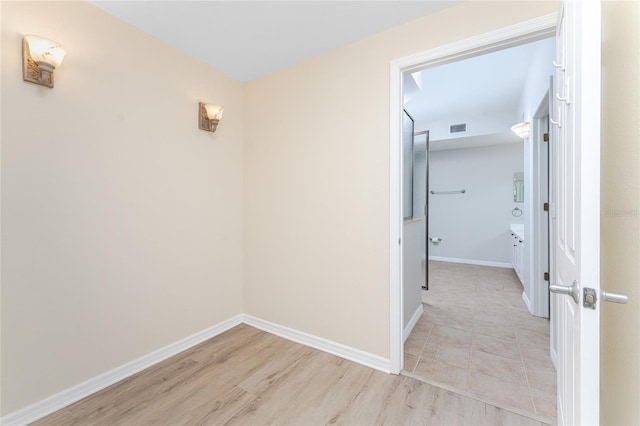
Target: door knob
{"type": "Point", "coordinates": [571, 290]}
{"type": "Point", "coordinates": [589, 298]}
{"type": "Point", "coordinates": [614, 297]}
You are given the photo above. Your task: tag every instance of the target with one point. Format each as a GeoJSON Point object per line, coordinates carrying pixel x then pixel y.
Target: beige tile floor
{"type": "Point", "coordinates": [477, 336]}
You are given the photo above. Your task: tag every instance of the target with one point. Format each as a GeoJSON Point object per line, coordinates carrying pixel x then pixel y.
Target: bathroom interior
{"type": "Point", "coordinates": [476, 227]}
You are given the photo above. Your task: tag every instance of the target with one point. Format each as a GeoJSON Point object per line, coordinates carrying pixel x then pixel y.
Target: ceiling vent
{"type": "Point", "coordinates": [457, 128]}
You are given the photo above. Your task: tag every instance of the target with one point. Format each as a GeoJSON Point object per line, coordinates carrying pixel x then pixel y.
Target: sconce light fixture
{"type": "Point", "coordinates": [521, 129]}
{"type": "Point", "coordinates": [40, 57]}
{"type": "Point", "coordinates": [209, 116]}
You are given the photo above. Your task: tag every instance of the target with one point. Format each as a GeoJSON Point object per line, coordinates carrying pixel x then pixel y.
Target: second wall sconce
{"type": "Point", "coordinates": [521, 129]}
{"type": "Point", "coordinates": [209, 116]}
{"type": "Point", "coordinates": [40, 56]}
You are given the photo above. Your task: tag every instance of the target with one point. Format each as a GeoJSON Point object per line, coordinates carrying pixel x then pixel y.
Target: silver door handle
{"type": "Point", "coordinates": [571, 290]}
{"type": "Point", "coordinates": [614, 297]}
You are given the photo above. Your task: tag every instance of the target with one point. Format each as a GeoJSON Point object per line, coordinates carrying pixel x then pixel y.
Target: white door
{"type": "Point", "coordinates": [576, 211]}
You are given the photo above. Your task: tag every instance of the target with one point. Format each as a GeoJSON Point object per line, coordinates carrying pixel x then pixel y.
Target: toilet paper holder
{"type": "Point", "coordinates": [435, 240]}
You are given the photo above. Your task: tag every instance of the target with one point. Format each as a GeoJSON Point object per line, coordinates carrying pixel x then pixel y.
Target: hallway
{"type": "Point", "coordinates": [477, 337]}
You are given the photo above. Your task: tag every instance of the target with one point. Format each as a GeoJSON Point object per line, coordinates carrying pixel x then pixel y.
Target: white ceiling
{"type": "Point", "coordinates": [247, 40]}
{"type": "Point", "coordinates": [488, 83]}
{"type": "Point", "coordinates": [491, 85]}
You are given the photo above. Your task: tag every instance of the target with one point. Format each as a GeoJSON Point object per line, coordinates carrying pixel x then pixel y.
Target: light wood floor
{"type": "Point", "coordinates": [477, 337]}
{"type": "Point", "coordinates": [247, 376]}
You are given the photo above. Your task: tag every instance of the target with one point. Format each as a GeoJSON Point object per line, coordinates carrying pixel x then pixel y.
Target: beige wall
{"type": "Point", "coordinates": [620, 223]}
{"type": "Point", "coordinates": [317, 179]}
{"type": "Point", "coordinates": [121, 221]}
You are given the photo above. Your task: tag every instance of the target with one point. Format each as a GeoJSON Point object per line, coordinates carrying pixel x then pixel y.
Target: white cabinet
{"type": "Point", "coordinates": [517, 251]}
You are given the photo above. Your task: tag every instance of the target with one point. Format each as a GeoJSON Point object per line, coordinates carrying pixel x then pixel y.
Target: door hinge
{"type": "Point", "coordinates": [546, 276]}
{"type": "Point", "coordinates": [545, 137]}
{"type": "Point", "coordinates": [545, 207]}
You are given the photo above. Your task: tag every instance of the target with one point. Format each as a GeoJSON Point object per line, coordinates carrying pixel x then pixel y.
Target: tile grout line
{"type": "Point", "coordinates": [508, 286]}
{"type": "Point", "coordinates": [524, 366]}
{"type": "Point", "coordinates": [423, 346]}
{"type": "Point", "coordinates": [496, 404]}
{"type": "Point", "coordinates": [473, 334]}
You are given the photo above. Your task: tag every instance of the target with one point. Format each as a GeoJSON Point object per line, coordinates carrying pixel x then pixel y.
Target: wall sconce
{"type": "Point", "coordinates": [40, 57]}
{"type": "Point", "coordinates": [209, 116]}
{"type": "Point", "coordinates": [521, 129]}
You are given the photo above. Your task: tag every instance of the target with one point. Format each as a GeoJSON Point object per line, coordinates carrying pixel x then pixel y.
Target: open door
{"type": "Point", "coordinates": [575, 211]}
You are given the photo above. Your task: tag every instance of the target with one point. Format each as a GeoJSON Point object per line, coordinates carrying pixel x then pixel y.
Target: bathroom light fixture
{"type": "Point", "coordinates": [209, 116]}
{"type": "Point", "coordinates": [40, 57]}
{"type": "Point", "coordinates": [521, 129]}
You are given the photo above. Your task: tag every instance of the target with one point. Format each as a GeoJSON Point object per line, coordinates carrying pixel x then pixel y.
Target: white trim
{"type": "Point", "coordinates": [472, 262]}
{"type": "Point", "coordinates": [73, 394]}
{"type": "Point", "coordinates": [526, 301]}
{"type": "Point", "coordinates": [531, 30]}
{"type": "Point", "coordinates": [587, 26]}
{"type": "Point", "coordinates": [513, 35]}
{"type": "Point", "coordinates": [554, 358]}
{"type": "Point", "coordinates": [396, 302]}
{"type": "Point", "coordinates": [537, 229]}
{"type": "Point", "coordinates": [413, 321]}
{"type": "Point", "coordinates": [334, 348]}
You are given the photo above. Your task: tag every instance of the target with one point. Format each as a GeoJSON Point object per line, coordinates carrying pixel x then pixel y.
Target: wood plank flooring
{"type": "Point", "coordinates": [246, 376]}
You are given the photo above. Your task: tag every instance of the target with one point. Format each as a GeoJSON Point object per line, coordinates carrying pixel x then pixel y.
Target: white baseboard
{"type": "Point", "coordinates": [334, 348]}
{"type": "Point", "coordinates": [554, 358]}
{"type": "Point", "coordinates": [412, 322]}
{"type": "Point", "coordinates": [67, 397]}
{"type": "Point", "coordinates": [472, 262]}
{"type": "Point", "coordinates": [527, 302]}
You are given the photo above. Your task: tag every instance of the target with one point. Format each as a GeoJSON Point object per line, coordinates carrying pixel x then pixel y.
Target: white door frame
{"type": "Point", "coordinates": [538, 222]}
{"type": "Point", "coordinates": [528, 31]}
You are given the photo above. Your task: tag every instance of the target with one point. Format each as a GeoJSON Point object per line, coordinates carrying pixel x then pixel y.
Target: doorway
{"type": "Point", "coordinates": [510, 37]}
{"type": "Point", "coordinates": [477, 334]}
{"type": "Point", "coordinates": [533, 30]}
